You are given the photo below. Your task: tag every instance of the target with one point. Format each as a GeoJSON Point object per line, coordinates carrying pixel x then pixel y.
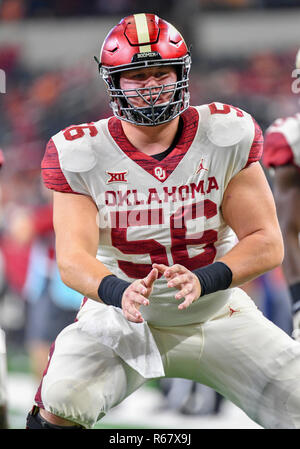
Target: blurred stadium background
{"type": "Point", "coordinates": [243, 54]}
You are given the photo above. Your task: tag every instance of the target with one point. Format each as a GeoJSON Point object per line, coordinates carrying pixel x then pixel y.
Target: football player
{"type": "Point", "coordinates": [282, 154]}
{"type": "Point", "coordinates": [161, 212]}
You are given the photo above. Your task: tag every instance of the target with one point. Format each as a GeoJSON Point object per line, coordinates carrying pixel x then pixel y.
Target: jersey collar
{"type": "Point", "coordinates": [161, 170]}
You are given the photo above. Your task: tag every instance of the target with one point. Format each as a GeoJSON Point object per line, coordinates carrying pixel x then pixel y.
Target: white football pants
{"type": "Point", "coordinates": [239, 353]}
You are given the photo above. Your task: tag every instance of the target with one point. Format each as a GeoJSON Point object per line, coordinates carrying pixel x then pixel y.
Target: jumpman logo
{"type": "Point", "coordinates": [201, 167]}
{"type": "Point", "coordinates": [232, 311]}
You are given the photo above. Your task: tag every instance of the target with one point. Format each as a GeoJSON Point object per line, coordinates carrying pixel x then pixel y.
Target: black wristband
{"type": "Point", "coordinates": [214, 277]}
{"type": "Point", "coordinates": [295, 296]}
{"type": "Point", "coordinates": [111, 290]}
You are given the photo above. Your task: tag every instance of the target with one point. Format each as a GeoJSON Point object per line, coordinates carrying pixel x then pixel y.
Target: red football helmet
{"type": "Point", "coordinates": [139, 41]}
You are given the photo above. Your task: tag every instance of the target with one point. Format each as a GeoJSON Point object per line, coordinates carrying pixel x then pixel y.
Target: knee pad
{"type": "Point", "coordinates": [36, 421]}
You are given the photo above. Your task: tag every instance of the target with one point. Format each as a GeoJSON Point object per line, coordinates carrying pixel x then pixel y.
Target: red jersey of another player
{"type": "Point", "coordinates": [282, 142]}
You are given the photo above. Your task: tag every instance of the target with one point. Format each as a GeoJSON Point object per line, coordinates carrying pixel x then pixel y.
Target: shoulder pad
{"type": "Point", "coordinates": [289, 126]}
{"type": "Point", "coordinates": [76, 147]}
{"type": "Point", "coordinates": [226, 125]}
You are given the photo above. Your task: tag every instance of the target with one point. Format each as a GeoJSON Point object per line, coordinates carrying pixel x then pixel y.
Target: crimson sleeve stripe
{"type": "Point", "coordinates": [256, 150]}
{"type": "Point", "coordinates": [277, 151]}
{"type": "Point", "coordinates": [52, 174]}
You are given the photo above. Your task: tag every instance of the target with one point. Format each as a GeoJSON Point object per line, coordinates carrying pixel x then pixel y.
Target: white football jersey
{"type": "Point", "coordinates": [282, 142]}
{"type": "Point", "coordinates": [165, 211]}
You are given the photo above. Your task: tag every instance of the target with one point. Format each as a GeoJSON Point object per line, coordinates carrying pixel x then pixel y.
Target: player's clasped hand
{"type": "Point", "coordinates": [184, 280]}
{"type": "Point", "coordinates": [137, 294]}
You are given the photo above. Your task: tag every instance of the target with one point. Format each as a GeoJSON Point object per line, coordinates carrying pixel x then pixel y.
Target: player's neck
{"type": "Point", "coordinates": [151, 139]}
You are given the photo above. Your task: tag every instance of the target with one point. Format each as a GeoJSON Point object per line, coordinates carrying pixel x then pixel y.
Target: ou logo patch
{"type": "Point", "coordinates": [160, 173]}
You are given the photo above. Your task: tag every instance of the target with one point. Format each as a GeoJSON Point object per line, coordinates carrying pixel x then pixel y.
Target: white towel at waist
{"type": "Point", "coordinates": [133, 342]}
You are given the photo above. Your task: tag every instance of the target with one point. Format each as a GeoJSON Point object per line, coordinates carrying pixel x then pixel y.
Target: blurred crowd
{"type": "Point", "coordinates": [20, 9]}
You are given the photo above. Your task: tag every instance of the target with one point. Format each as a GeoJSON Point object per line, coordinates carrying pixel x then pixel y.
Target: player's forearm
{"type": "Point", "coordinates": [254, 255]}
{"type": "Point", "coordinates": [82, 272]}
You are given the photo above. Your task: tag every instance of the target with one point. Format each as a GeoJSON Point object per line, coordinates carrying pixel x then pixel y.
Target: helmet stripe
{"type": "Point", "coordinates": [142, 32]}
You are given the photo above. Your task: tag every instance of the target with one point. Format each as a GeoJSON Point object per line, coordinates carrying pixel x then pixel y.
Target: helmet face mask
{"type": "Point", "coordinates": [119, 54]}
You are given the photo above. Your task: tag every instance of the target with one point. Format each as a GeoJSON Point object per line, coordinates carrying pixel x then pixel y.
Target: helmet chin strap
{"type": "Point", "coordinates": [152, 113]}
{"type": "Point", "coordinates": [149, 115]}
